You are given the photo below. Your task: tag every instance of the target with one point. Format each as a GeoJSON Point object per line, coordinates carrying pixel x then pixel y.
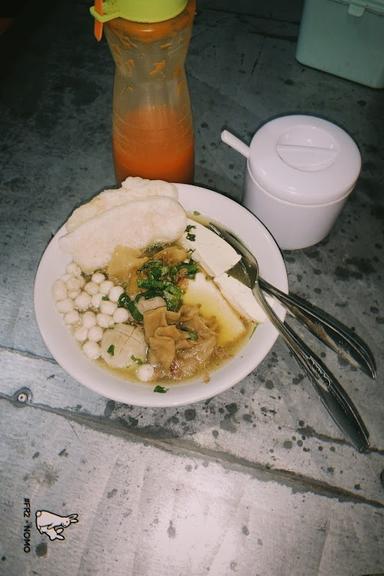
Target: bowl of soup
{"type": "Point", "coordinates": [133, 297]}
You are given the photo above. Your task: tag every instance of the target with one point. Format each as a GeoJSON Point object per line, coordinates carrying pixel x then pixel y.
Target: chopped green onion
{"type": "Point", "coordinates": [190, 267]}
{"type": "Point", "coordinates": [138, 361]}
{"type": "Point", "coordinates": [148, 294]}
{"type": "Point", "coordinates": [160, 389]}
{"type": "Point", "coordinates": [192, 335]}
{"type": "Point", "coordinates": [154, 269]}
{"type": "Point", "coordinates": [111, 350]}
{"type": "Point", "coordinates": [151, 283]}
{"type": "Point", "coordinates": [159, 279]}
{"type": "Point", "coordinates": [125, 302]}
{"type": "Point", "coordinates": [173, 297]}
{"type": "Point", "coordinates": [190, 236]}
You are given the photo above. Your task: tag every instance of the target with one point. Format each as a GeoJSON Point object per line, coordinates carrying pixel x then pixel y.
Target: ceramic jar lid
{"type": "Point", "coordinates": [304, 160]}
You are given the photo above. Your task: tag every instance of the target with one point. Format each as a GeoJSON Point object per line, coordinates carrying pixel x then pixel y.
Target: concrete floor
{"type": "Point", "coordinates": [255, 482]}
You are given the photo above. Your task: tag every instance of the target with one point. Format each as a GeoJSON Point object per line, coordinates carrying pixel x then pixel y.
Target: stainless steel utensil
{"type": "Point", "coordinates": [330, 331]}
{"type": "Point", "coordinates": [334, 397]}
{"type": "Point", "coordinates": [325, 327]}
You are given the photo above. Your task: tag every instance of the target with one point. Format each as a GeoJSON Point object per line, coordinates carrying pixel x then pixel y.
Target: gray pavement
{"type": "Point", "coordinates": [257, 481]}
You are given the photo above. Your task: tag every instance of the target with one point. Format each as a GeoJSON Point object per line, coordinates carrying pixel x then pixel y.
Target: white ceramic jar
{"type": "Point", "coordinates": [300, 171]}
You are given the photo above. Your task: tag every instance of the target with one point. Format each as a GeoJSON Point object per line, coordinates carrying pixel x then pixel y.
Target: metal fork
{"type": "Point", "coordinates": [334, 397]}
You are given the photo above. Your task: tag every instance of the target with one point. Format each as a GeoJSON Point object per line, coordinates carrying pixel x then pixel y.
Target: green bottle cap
{"type": "Point", "coordinates": [139, 10]}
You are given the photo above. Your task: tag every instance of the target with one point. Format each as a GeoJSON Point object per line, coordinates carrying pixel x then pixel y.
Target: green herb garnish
{"type": "Point", "coordinates": [160, 389]}
{"type": "Point", "coordinates": [125, 302]}
{"type": "Point", "coordinates": [190, 236]}
{"type": "Point", "coordinates": [154, 269]}
{"type": "Point", "coordinates": [138, 361]}
{"type": "Point", "coordinates": [173, 297]}
{"type": "Point", "coordinates": [192, 335]}
{"type": "Point", "coordinates": [148, 294]}
{"type": "Point", "coordinates": [158, 279]}
{"type": "Point", "coordinates": [111, 350]}
{"type": "Point", "coordinates": [188, 269]}
{"type": "Point", "coordinates": [151, 283]}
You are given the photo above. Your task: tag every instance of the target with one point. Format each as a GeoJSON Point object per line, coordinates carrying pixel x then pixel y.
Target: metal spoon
{"type": "Point", "coordinates": [334, 397]}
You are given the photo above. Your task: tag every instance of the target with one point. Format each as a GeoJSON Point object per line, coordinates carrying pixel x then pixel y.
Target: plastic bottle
{"type": "Point", "coordinates": [152, 121]}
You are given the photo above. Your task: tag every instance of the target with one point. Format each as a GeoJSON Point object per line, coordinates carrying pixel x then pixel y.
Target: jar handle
{"type": "Point", "coordinates": [235, 143]}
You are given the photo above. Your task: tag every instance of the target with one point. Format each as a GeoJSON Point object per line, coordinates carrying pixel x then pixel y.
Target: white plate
{"type": "Point", "coordinates": [68, 354]}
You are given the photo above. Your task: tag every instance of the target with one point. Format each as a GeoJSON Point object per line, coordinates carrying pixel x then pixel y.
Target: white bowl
{"type": "Point", "coordinates": [68, 354]}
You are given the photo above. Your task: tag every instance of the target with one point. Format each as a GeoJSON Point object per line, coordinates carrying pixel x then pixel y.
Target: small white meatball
{"type": "Point", "coordinates": [115, 293]}
{"type": "Point", "coordinates": [145, 372]}
{"type": "Point", "coordinates": [83, 301]}
{"type": "Point", "coordinates": [66, 277]}
{"type": "Point", "coordinates": [91, 288]}
{"type": "Point", "coordinates": [59, 290]}
{"type": "Point", "coordinates": [105, 287]}
{"type": "Point", "coordinates": [73, 269]}
{"type": "Point", "coordinates": [81, 333]}
{"type": "Point", "coordinates": [107, 307]}
{"type": "Point", "coordinates": [89, 319]}
{"type": "Point", "coordinates": [74, 294]}
{"type": "Point", "coordinates": [73, 284]}
{"type": "Point", "coordinates": [65, 306]}
{"type": "Point", "coordinates": [98, 278]}
{"type": "Point", "coordinates": [72, 317]}
{"type": "Point", "coordinates": [92, 350]}
{"type": "Point", "coordinates": [96, 300]}
{"type": "Point", "coordinates": [121, 315]}
{"type": "Point", "coordinates": [104, 320]}
{"type": "Point", "coordinates": [95, 334]}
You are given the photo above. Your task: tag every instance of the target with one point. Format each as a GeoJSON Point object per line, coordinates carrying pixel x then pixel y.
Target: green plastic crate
{"type": "Point", "coordinates": [345, 38]}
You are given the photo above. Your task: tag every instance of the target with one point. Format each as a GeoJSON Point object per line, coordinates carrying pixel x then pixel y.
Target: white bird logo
{"type": "Point", "coordinates": [52, 524]}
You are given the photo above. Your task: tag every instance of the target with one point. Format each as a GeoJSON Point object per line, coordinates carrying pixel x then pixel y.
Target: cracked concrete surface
{"type": "Point", "coordinates": [256, 481]}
